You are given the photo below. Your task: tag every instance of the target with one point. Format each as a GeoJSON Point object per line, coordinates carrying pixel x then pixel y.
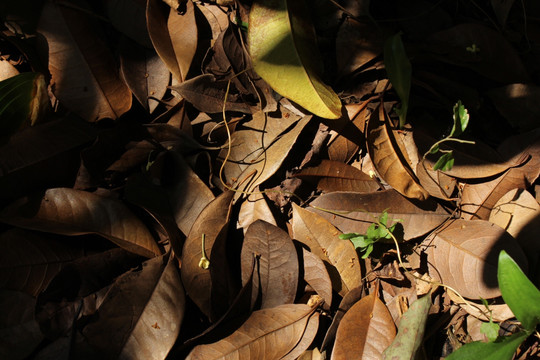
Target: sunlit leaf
{"type": "Point", "coordinates": [445, 162]}
{"type": "Point", "coordinates": [501, 350]}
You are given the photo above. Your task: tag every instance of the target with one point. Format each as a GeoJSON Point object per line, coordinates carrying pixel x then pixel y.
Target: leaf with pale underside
{"type": "Point", "coordinates": [73, 212]}
{"type": "Point", "coordinates": [365, 330]}
{"type": "Point", "coordinates": [283, 49]}
{"type": "Point", "coordinates": [339, 256]}
{"type": "Point", "coordinates": [389, 160]}
{"type": "Point", "coordinates": [464, 256]}
{"type": "Point", "coordinates": [355, 212]}
{"type": "Point", "coordinates": [276, 273]}
{"type": "Point", "coordinates": [85, 77]}
{"type": "Point", "coordinates": [274, 333]}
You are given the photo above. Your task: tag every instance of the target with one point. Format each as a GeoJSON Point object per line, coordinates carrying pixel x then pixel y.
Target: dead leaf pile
{"type": "Point", "coordinates": [183, 190]}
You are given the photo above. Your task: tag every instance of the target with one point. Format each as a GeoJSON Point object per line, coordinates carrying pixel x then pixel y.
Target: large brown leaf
{"type": "Point", "coordinates": [255, 208]}
{"type": "Point", "coordinates": [29, 260]}
{"type": "Point", "coordinates": [276, 274]}
{"type": "Point", "coordinates": [129, 17]}
{"type": "Point", "coordinates": [85, 77]}
{"type": "Point", "coordinates": [338, 255]}
{"type": "Point", "coordinates": [145, 308]}
{"type": "Point", "coordinates": [355, 212]}
{"type": "Point", "coordinates": [336, 176]}
{"type": "Point", "coordinates": [464, 256]}
{"type": "Point", "coordinates": [365, 331]}
{"type": "Point", "coordinates": [174, 35]}
{"type": "Point", "coordinates": [267, 334]}
{"type": "Point", "coordinates": [514, 211]}
{"type": "Point", "coordinates": [316, 275]}
{"type": "Point", "coordinates": [348, 134]}
{"type": "Point", "coordinates": [211, 223]}
{"type": "Point", "coordinates": [73, 212]}
{"type": "Point", "coordinates": [388, 158]}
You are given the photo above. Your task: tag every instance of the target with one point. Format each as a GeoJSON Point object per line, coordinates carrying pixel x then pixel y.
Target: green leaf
{"type": "Point", "coordinates": [348, 236]}
{"type": "Point", "coordinates": [518, 292]}
{"type": "Point", "coordinates": [283, 49]}
{"type": "Point", "coordinates": [434, 149]}
{"type": "Point", "coordinates": [491, 330]}
{"type": "Point", "coordinates": [411, 331]}
{"type": "Point", "coordinates": [361, 242]}
{"type": "Point", "coordinates": [502, 349]}
{"type": "Point", "coordinates": [23, 98]}
{"type": "Point", "coordinates": [367, 251]}
{"type": "Point", "coordinates": [461, 119]}
{"type": "Point", "coordinates": [399, 72]}
{"type": "Point", "coordinates": [445, 162]}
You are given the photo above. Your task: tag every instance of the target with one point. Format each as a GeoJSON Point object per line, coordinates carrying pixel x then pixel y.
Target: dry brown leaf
{"type": "Point", "coordinates": [498, 312]}
{"type": "Point", "coordinates": [254, 208]}
{"type": "Point", "coordinates": [211, 223]}
{"type": "Point", "coordinates": [85, 77]}
{"type": "Point", "coordinates": [129, 17]}
{"type": "Point", "coordinates": [72, 212]}
{"type": "Point", "coordinates": [518, 104]}
{"type": "Point", "coordinates": [339, 256]}
{"type": "Point", "coordinates": [436, 183]}
{"type": "Point", "coordinates": [355, 212]}
{"type": "Point", "coordinates": [336, 176]}
{"type": "Point", "coordinates": [145, 308]}
{"type": "Point", "coordinates": [365, 331]}
{"type": "Point", "coordinates": [267, 334]}
{"type": "Point", "coordinates": [174, 36]}
{"type": "Point", "coordinates": [388, 158]}
{"type": "Point", "coordinates": [316, 275]}
{"type": "Point", "coordinates": [7, 70]}
{"type": "Point", "coordinates": [276, 272]}
{"type": "Point", "coordinates": [464, 256]}
{"type": "Point", "coordinates": [348, 134]}
{"type": "Point", "coordinates": [514, 210]}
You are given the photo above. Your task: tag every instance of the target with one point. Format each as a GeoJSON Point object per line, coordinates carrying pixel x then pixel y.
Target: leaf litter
{"type": "Point", "coordinates": [207, 179]}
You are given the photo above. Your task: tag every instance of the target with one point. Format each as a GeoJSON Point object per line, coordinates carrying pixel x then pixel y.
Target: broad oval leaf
{"type": "Point", "coordinates": [464, 256]}
{"type": "Point", "coordinates": [284, 53]}
{"type": "Point", "coordinates": [276, 276]}
{"type": "Point", "coordinates": [355, 212]}
{"type": "Point", "coordinates": [267, 334]}
{"type": "Point", "coordinates": [145, 308]}
{"type": "Point", "coordinates": [316, 275]}
{"type": "Point", "coordinates": [73, 212]}
{"type": "Point", "coordinates": [365, 330]}
{"type": "Point", "coordinates": [339, 256]}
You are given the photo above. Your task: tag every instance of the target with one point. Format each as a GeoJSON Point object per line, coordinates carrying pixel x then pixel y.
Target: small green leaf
{"type": "Point", "coordinates": [361, 242]}
{"type": "Point", "coordinates": [461, 119]}
{"type": "Point", "coordinates": [445, 162]}
{"type": "Point", "coordinates": [411, 331]}
{"type": "Point", "coordinates": [368, 251]}
{"type": "Point", "coordinates": [348, 236]}
{"type": "Point", "coordinates": [398, 68]}
{"type": "Point", "coordinates": [503, 349]}
{"type": "Point", "coordinates": [434, 149]}
{"type": "Point", "coordinates": [491, 330]}
{"type": "Point", "coordinates": [518, 292]}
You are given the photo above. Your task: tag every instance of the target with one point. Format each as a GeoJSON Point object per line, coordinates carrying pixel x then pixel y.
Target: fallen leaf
{"type": "Point", "coordinates": [348, 135]}
{"type": "Point", "coordinates": [464, 256]}
{"type": "Point", "coordinates": [365, 331]}
{"type": "Point", "coordinates": [411, 331]}
{"type": "Point", "coordinates": [336, 176]}
{"type": "Point", "coordinates": [129, 17]}
{"type": "Point", "coordinates": [316, 275]}
{"type": "Point", "coordinates": [436, 183]}
{"type": "Point", "coordinates": [388, 159]}
{"type": "Point", "coordinates": [339, 256]}
{"type": "Point", "coordinates": [355, 212]}
{"type": "Point", "coordinates": [139, 299]}
{"type": "Point", "coordinates": [501, 8]}
{"type": "Point", "coordinates": [276, 273]}
{"type": "Point", "coordinates": [284, 53]}
{"type": "Point", "coordinates": [267, 334]}
{"type": "Point", "coordinates": [85, 77]}
{"type": "Point", "coordinates": [517, 104]}
{"type": "Point", "coordinates": [73, 212]}
{"type": "Point", "coordinates": [514, 210]}
{"type": "Point", "coordinates": [254, 208]}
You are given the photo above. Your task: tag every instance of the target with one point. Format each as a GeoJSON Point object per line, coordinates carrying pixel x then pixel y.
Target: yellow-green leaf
{"type": "Point", "coordinates": [284, 52]}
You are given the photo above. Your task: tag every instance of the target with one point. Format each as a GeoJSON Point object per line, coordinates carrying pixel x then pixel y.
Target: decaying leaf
{"type": "Point", "coordinates": [72, 212]}
{"type": "Point", "coordinates": [365, 331]}
{"type": "Point", "coordinates": [267, 334]}
{"type": "Point", "coordinates": [284, 53]}
{"type": "Point", "coordinates": [339, 256]}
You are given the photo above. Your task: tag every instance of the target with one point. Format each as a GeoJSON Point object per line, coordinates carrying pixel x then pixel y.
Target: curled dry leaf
{"type": "Point", "coordinates": [254, 208]}
{"type": "Point", "coordinates": [388, 158]}
{"type": "Point", "coordinates": [436, 183]}
{"type": "Point", "coordinates": [514, 210]}
{"type": "Point", "coordinates": [85, 77]}
{"type": "Point", "coordinates": [339, 256]}
{"type": "Point", "coordinates": [211, 223]}
{"type": "Point", "coordinates": [365, 330]}
{"type": "Point", "coordinates": [348, 135]}
{"type": "Point", "coordinates": [355, 212]}
{"type": "Point", "coordinates": [464, 256]}
{"type": "Point", "coordinates": [498, 312]}
{"type": "Point", "coordinates": [336, 176]}
{"type": "Point", "coordinates": [145, 308]}
{"type": "Point", "coordinates": [73, 212]}
{"type": "Point", "coordinates": [276, 272]}
{"type": "Point", "coordinates": [316, 275]}
{"type": "Point", "coordinates": [272, 333]}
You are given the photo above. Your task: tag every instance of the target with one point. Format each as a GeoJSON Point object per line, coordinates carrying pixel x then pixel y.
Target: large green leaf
{"type": "Point", "coordinates": [283, 49]}
{"type": "Point", "coordinates": [399, 72]}
{"type": "Point", "coordinates": [22, 98]}
{"type": "Point", "coordinates": [501, 350]}
{"type": "Point", "coordinates": [518, 292]}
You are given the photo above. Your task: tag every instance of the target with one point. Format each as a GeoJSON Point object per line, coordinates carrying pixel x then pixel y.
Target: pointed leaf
{"type": "Point", "coordinates": [514, 211]}
{"type": "Point", "coordinates": [316, 275]}
{"type": "Point", "coordinates": [410, 332]}
{"type": "Point", "coordinates": [518, 292]}
{"type": "Point", "coordinates": [399, 71]}
{"type": "Point", "coordinates": [254, 208]}
{"type": "Point", "coordinates": [283, 49]}
{"type": "Point", "coordinates": [72, 212]}
{"type": "Point", "coordinates": [267, 334]}
{"type": "Point", "coordinates": [501, 350]}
